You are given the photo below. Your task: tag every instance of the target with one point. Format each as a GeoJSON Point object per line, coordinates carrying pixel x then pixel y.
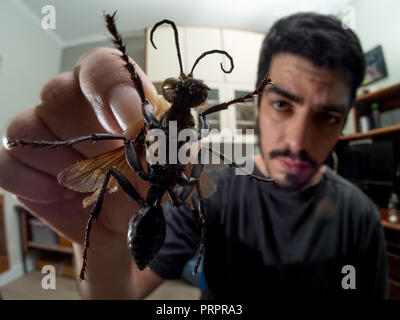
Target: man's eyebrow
{"type": "Point", "coordinates": [342, 109]}
{"type": "Point", "coordinates": [282, 92]}
{"type": "Point", "coordinates": [335, 108]}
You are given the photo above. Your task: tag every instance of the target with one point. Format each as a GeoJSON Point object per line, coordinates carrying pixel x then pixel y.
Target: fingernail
{"type": "Point", "coordinates": [126, 106]}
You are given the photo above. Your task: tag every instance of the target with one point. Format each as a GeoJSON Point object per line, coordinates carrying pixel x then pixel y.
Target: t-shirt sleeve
{"type": "Point", "coordinates": [181, 241]}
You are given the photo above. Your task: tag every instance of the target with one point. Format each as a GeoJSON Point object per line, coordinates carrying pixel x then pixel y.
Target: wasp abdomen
{"type": "Point", "coordinates": [146, 234]}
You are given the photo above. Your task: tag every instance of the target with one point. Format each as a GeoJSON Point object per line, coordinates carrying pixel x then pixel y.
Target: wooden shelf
{"type": "Point", "coordinates": [55, 248]}
{"type": "Point", "coordinates": [388, 99]}
{"type": "Point", "coordinates": [385, 220]}
{"type": "Point", "coordinates": [371, 133]}
{"type": "Point", "coordinates": [388, 93]}
{"type": "Point", "coordinates": [27, 243]}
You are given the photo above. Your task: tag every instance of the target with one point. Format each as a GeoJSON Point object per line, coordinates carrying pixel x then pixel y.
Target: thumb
{"type": "Point", "coordinates": [107, 85]}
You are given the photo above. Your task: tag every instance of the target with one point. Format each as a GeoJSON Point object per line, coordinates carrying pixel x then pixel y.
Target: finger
{"type": "Point", "coordinates": [66, 218]}
{"type": "Point", "coordinates": [106, 83]}
{"type": "Point", "coordinates": [67, 114]}
{"type": "Point", "coordinates": [30, 183]}
{"type": "Point", "coordinates": [28, 125]}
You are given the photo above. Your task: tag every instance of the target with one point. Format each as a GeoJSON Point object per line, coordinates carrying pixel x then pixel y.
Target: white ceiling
{"type": "Point", "coordinates": [80, 21]}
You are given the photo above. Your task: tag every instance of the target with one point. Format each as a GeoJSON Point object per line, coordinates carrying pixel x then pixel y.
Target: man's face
{"type": "Point", "coordinates": [300, 119]}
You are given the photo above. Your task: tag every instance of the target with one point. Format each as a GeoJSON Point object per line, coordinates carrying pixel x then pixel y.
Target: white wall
{"type": "Point", "coordinates": [30, 57]}
{"type": "Point", "coordinates": [134, 48]}
{"type": "Point", "coordinates": [378, 22]}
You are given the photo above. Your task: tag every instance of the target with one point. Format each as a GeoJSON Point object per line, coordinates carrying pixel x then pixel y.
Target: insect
{"type": "Point", "coordinates": [107, 172]}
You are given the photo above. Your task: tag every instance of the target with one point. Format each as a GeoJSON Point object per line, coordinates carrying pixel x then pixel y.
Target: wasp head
{"type": "Point", "coordinates": [188, 92]}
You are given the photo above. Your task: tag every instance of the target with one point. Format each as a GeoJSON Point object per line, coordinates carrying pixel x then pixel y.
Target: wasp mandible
{"type": "Point", "coordinates": [107, 172]}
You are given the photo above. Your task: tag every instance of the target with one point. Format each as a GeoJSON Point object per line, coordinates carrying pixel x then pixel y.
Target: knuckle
{"type": "Point", "coordinates": [56, 85]}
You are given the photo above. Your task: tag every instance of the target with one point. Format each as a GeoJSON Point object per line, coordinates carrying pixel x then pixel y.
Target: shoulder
{"type": "Point", "coordinates": [220, 174]}
{"type": "Point", "coordinates": [226, 181]}
{"type": "Point", "coordinates": [351, 198]}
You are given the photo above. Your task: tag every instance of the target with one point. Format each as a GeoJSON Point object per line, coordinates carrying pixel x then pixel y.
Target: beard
{"type": "Point", "coordinates": [291, 182]}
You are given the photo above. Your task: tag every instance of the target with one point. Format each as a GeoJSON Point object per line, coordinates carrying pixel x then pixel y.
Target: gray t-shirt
{"type": "Point", "coordinates": [263, 242]}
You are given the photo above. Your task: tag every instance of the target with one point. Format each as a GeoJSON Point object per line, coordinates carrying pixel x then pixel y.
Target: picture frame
{"type": "Point", "coordinates": [375, 66]}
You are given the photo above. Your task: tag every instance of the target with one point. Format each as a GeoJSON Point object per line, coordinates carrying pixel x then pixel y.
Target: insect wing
{"type": "Point", "coordinates": [88, 175]}
{"type": "Point", "coordinates": [207, 186]}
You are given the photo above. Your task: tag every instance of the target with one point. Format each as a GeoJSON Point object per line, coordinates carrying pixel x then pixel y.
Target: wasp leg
{"type": "Point", "coordinates": [195, 174]}
{"type": "Point", "coordinates": [202, 212]}
{"type": "Point", "coordinates": [54, 144]}
{"type": "Point", "coordinates": [185, 181]}
{"type": "Point", "coordinates": [117, 40]}
{"type": "Point", "coordinates": [95, 212]}
{"type": "Point", "coordinates": [148, 115]}
{"type": "Point", "coordinates": [176, 201]}
{"type": "Point", "coordinates": [204, 126]}
{"type": "Point", "coordinates": [133, 160]}
{"type": "Point", "coordinates": [231, 163]}
{"type": "Point", "coordinates": [226, 104]}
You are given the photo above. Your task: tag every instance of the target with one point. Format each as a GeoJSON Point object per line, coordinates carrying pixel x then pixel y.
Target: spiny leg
{"type": "Point", "coordinates": [130, 153]}
{"type": "Point", "coordinates": [225, 105]}
{"type": "Point", "coordinates": [197, 169]}
{"type": "Point", "coordinates": [176, 201]}
{"type": "Point", "coordinates": [203, 227]}
{"type": "Point", "coordinates": [204, 127]}
{"type": "Point", "coordinates": [148, 115]}
{"type": "Point", "coordinates": [133, 160]}
{"type": "Point", "coordinates": [231, 163]}
{"type": "Point", "coordinates": [140, 141]}
{"type": "Point", "coordinates": [10, 143]}
{"type": "Point", "coordinates": [117, 40]}
{"type": "Point", "coordinates": [185, 181]}
{"type": "Point", "coordinates": [95, 212]}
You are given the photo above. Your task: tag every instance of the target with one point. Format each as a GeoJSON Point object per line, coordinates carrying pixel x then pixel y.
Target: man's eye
{"type": "Point", "coordinates": [279, 105]}
{"type": "Point", "coordinates": [330, 118]}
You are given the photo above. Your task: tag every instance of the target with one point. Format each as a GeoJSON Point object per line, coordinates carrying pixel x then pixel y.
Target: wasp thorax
{"type": "Point", "coordinates": [168, 88]}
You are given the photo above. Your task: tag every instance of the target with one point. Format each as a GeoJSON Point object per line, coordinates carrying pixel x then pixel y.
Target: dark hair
{"type": "Point", "coordinates": [319, 38]}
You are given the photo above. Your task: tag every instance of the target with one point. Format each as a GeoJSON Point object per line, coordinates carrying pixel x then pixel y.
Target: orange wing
{"type": "Point", "coordinates": [88, 175]}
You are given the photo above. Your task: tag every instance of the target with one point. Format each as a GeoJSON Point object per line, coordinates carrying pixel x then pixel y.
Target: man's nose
{"type": "Point", "coordinates": [299, 133]}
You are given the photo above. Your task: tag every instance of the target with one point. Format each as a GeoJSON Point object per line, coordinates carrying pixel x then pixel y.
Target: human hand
{"type": "Point", "coordinates": [98, 97]}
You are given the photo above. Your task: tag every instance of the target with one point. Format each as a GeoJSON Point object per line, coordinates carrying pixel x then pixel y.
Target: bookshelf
{"type": "Point", "coordinates": [388, 99]}
{"type": "Point", "coordinates": [59, 254]}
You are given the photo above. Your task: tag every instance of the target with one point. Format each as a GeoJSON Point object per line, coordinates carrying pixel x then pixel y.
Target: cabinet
{"type": "Point", "coordinates": [52, 249]}
{"type": "Point", "coordinates": [244, 47]}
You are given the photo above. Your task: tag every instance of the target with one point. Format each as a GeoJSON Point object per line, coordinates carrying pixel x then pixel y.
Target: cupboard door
{"type": "Point", "coordinates": [198, 41]}
{"type": "Point", "coordinates": [162, 63]}
{"type": "Point", "coordinates": [244, 47]}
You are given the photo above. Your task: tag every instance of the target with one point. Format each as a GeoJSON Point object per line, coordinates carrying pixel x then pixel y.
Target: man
{"type": "Point", "coordinates": [315, 236]}
{"type": "Point", "coordinates": [297, 240]}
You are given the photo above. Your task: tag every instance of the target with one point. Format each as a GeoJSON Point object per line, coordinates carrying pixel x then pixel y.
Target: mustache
{"type": "Point", "coordinates": [302, 156]}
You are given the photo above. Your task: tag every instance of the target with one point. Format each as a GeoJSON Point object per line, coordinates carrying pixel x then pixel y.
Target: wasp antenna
{"type": "Point", "coordinates": [176, 39]}
{"type": "Point", "coordinates": [211, 52]}
{"type": "Point", "coordinates": [107, 16]}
